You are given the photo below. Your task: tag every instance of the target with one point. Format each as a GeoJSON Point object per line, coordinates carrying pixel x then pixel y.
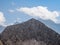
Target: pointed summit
{"type": "Point", "coordinates": [34, 21]}
{"type": "Point", "coordinates": [31, 30]}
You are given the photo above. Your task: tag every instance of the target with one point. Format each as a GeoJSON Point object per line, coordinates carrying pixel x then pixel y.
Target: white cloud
{"type": "Point", "coordinates": [41, 12]}
{"type": "Point", "coordinates": [18, 20]}
{"type": "Point", "coordinates": [11, 11]}
{"type": "Point", "coordinates": [2, 18]}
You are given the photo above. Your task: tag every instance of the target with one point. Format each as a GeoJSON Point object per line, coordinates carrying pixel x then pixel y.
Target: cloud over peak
{"type": "Point", "coordinates": [41, 12]}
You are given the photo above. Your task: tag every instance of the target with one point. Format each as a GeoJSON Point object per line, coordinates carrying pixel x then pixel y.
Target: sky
{"type": "Point", "coordinates": [22, 10]}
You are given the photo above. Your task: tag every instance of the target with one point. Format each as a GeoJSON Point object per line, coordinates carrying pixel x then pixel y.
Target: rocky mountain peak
{"type": "Point", "coordinates": [31, 32]}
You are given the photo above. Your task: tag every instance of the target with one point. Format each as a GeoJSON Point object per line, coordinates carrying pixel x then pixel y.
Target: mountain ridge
{"type": "Point", "coordinates": [30, 30]}
{"type": "Point", "coordinates": [51, 24]}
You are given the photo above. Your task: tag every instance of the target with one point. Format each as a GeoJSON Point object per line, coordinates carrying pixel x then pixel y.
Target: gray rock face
{"type": "Point", "coordinates": [31, 32]}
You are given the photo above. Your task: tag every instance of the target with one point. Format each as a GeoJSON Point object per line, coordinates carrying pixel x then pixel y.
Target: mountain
{"type": "Point", "coordinates": [51, 24]}
{"type": "Point", "coordinates": [31, 32]}
{"type": "Point", "coordinates": [2, 28]}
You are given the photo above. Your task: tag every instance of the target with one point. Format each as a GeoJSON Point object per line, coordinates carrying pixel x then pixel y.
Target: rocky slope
{"type": "Point", "coordinates": [31, 32]}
